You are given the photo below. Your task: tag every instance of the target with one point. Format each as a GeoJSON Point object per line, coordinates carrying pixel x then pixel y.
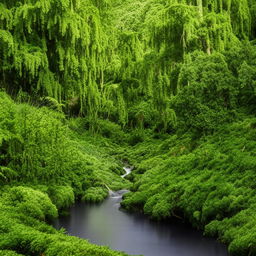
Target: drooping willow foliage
{"type": "Point", "coordinates": [53, 48]}
{"type": "Point", "coordinates": [113, 58]}
{"type": "Point", "coordinates": [165, 34]}
{"type": "Point", "coordinates": [206, 25]}
{"type": "Point", "coordinates": [184, 26]}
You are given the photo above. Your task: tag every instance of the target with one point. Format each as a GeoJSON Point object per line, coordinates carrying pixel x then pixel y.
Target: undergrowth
{"type": "Point", "coordinates": [209, 182]}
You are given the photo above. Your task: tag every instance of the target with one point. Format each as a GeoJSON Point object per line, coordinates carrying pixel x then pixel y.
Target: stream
{"type": "Point", "coordinates": [106, 224]}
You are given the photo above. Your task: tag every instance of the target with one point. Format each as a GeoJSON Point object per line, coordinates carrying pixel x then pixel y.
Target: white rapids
{"type": "Point", "coordinates": [128, 170]}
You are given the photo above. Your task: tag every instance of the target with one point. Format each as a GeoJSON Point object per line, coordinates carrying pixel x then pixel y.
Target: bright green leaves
{"type": "Point", "coordinates": [56, 47]}
{"type": "Point", "coordinates": [37, 146]}
{"type": "Point", "coordinates": [30, 58]}
{"type": "Point", "coordinates": [207, 91]}
{"type": "Point", "coordinates": [95, 194]}
{"type": "Point", "coordinates": [78, 49]}
{"type": "Point", "coordinates": [247, 78]}
{"type": "Point", "coordinates": [42, 136]}
{"type": "Point", "coordinates": [61, 196]}
{"type": "Point", "coordinates": [6, 17]}
{"type": "Point", "coordinates": [22, 230]}
{"type": "Point", "coordinates": [30, 202]}
{"type": "Point", "coordinates": [215, 33]}
{"type": "Point", "coordinates": [188, 27]}
{"type": "Point", "coordinates": [130, 52]}
{"type": "Point", "coordinates": [31, 141]}
{"type": "Point", "coordinates": [158, 206]}
{"type": "Point", "coordinates": [7, 38]}
{"type": "Point", "coordinates": [176, 24]}
{"type": "Point", "coordinates": [48, 84]}
{"type": "Point", "coordinates": [159, 36]}
{"type": "Point", "coordinates": [241, 18]}
{"type": "Point", "coordinates": [7, 174]}
{"type": "Point", "coordinates": [210, 73]}
{"type": "Point", "coordinates": [208, 181]}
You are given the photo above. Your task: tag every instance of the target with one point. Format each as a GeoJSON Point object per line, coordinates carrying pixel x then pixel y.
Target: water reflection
{"type": "Point", "coordinates": [105, 224]}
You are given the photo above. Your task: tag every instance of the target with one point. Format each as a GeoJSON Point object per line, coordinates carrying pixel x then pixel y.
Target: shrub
{"type": "Point", "coordinates": [95, 194]}
{"type": "Point", "coordinates": [30, 202]}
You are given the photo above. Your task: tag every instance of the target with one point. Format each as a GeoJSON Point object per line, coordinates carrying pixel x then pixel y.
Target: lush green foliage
{"type": "Point", "coordinates": [37, 146]}
{"type": "Point", "coordinates": [180, 48]}
{"type": "Point", "coordinates": [171, 81]}
{"type": "Point", "coordinates": [45, 163]}
{"type": "Point", "coordinates": [22, 232]}
{"type": "Point", "coordinates": [9, 253]}
{"type": "Point", "coordinates": [209, 182]}
{"type": "Point", "coordinates": [199, 65]}
{"type": "Point", "coordinates": [95, 194]}
{"type": "Point", "coordinates": [55, 49]}
{"type": "Point", "coordinates": [124, 60]}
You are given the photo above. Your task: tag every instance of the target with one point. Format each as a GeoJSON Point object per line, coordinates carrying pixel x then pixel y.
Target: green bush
{"type": "Point", "coordinates": [136, 136]}
{"type": "Point", "coordinates": [61, 196]}
{"type": "Point", "coordinates": [210, 183]}
{"type": "Point", "coordinates": [95, 194]}
{"type": "Point", "coordinates": [23, 233]}
{"type": "Point", "coordinates": [30, 202]}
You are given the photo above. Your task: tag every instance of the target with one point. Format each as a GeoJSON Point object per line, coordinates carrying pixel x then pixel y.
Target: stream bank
{"type": "Point", "coordinates": [134, 233]}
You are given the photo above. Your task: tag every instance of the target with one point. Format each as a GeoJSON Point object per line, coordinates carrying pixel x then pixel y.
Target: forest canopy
{"type": "Point", "coordinates": [110, 59]}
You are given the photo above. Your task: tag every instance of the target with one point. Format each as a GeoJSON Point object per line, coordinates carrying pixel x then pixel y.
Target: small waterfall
{"type": "Point", "coordinates": [128, 170]}
{"type": "Point", "coordinates": [117, 194]}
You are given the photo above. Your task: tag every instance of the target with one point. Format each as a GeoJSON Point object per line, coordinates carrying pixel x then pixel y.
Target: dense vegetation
{"type": "Point", "coordinates": [46, 164]}
{"type": "Point", "coordinates": [169, 85]}
{"type": "Point", "coordinates": [209, 183]}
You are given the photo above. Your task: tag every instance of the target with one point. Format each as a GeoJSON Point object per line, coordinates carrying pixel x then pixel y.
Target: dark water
{"type": "Point", "coordinates": [105, 224]}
